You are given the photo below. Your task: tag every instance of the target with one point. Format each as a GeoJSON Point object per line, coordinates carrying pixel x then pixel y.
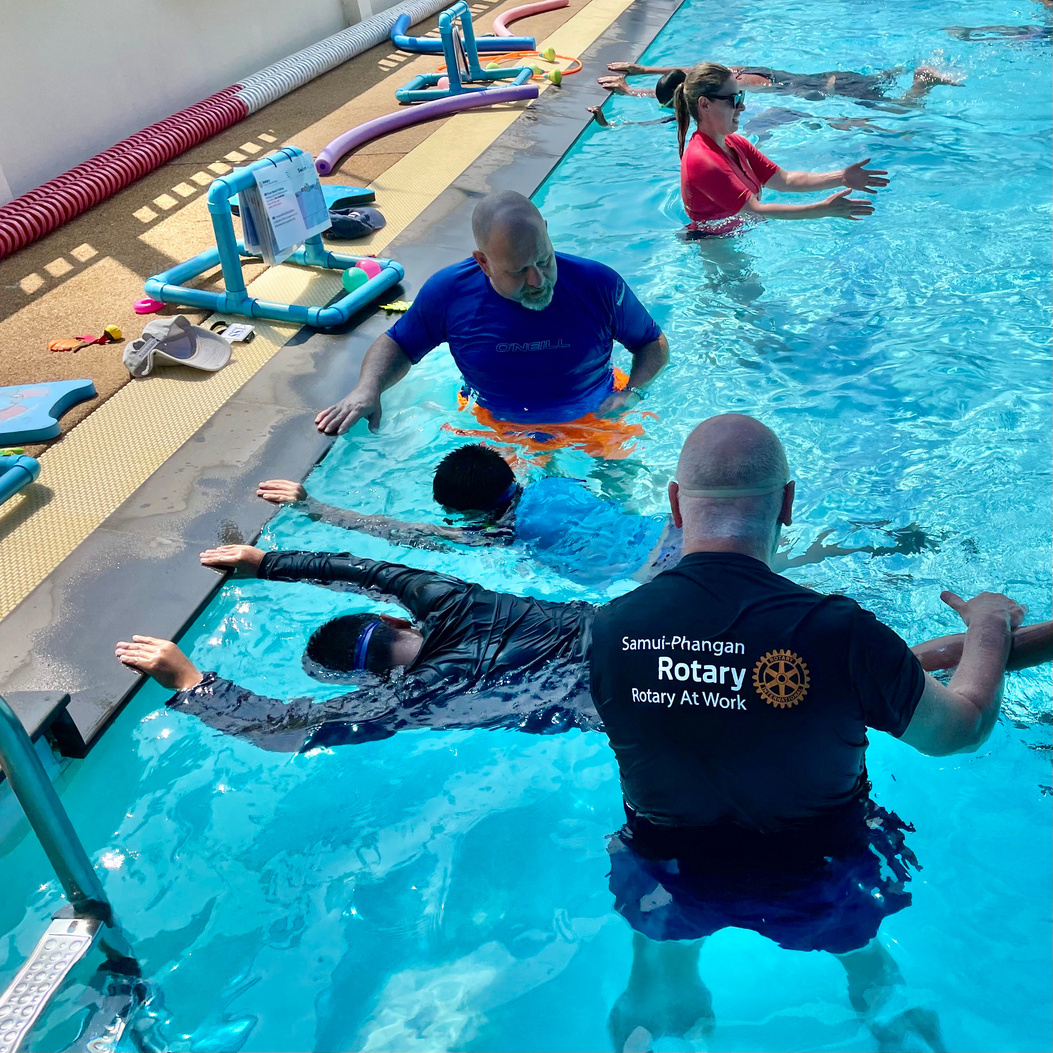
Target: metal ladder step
{"type": "Point", "coordinates": [66, 941]}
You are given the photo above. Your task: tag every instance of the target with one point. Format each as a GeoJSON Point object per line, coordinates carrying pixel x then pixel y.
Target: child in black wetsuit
{"type": "Point", "coordinates": [524, 652]}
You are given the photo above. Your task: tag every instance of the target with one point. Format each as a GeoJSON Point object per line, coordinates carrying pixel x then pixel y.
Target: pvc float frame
{"type": "Point", "coordinates": [429, 46]}
{"type": "Point", "coordinates": [423, 88]}
{"type": "Point", "coordinates": [169, 286]}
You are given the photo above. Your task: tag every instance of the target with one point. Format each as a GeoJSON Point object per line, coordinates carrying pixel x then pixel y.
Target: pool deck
{"type": "Point", "coordinates": [136, 570]}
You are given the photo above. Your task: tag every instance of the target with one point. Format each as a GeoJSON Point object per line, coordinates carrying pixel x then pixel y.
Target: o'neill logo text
{"type": "Point", "coordinates": [535, 345]}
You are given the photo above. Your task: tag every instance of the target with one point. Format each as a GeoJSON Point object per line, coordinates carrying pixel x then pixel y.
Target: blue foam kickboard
{"type": "Point", "coordinates": [346, 196]}
{"type": "Point", "coordinates": [30, 412]}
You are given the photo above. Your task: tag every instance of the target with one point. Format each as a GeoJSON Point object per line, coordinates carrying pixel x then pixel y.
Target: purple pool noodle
{"type": "Point", "coordinates": [342, 145]}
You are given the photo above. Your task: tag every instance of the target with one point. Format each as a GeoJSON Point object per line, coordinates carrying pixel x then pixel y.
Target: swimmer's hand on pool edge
{"type": "Point", "coordinates": [243, 560]}
{"type": "Point", "coordinates": [160, 659]}
{"type": "Point", "coordinates": [281, 491]}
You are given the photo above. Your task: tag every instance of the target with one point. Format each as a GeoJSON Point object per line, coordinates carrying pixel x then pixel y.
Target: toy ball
{"type": "Point", "coordinates": [147, 306]}
{"type": "Point", "coordinates": [555, 76]}
{"type": "Point", "coordinates": [113, 332]}
{"type": "Point", "coordinates": [354, 278]}
{"type": "Point", "coordinates": [443, 84]}
{"type": "Point", "coordinates": [549, 54]}
{"type": "Point", "coordinates": [370, 267]}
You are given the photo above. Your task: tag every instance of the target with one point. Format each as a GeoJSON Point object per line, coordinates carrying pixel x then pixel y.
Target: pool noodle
{"type": "Point", "coordinates": [501, 21]}
{"type": "Point", "coordinates": [342, 145]}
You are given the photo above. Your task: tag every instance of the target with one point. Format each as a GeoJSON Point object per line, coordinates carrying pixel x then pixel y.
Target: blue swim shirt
{"type": "Point", "coordinates": [582, 536]}
{"type": "Point", "coordinates": [530, 367]}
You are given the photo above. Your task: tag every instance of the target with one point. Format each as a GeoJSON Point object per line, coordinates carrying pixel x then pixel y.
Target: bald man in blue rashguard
{"type": "Point", "coordinates": [531, 330]}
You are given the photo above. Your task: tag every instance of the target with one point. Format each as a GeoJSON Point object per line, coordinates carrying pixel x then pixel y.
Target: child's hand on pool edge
{"type": "Point", "coordinates": [160, 659]}
{"type": "Point", "coordinates": [244, 560]}
{"type": "Point", "coordinates": [281, 491]}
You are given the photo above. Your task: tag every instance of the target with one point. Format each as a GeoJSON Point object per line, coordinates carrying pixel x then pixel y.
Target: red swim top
{"type": "Point", "coordinates": [713, 185]}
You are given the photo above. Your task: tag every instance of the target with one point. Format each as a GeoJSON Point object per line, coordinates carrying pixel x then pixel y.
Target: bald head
{"type": "Point", "coordinates": [506, 215]}
{"type": "Point", "coordinates": [514, 250]}
{"type": "Point", "coordinates": [731, 490]}
{"type": "Point", "coordinates": [732, 452]}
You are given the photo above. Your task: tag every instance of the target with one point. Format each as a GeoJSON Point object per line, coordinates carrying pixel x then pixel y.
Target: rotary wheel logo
{"type": "Point", "coordinates": [781, 678]}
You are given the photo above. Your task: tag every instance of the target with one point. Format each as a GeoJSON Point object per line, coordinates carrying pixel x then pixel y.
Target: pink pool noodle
{"type": "Point", "coordinates": [501, 22]}
{"type": "Point", "coordinates": [342, 145]}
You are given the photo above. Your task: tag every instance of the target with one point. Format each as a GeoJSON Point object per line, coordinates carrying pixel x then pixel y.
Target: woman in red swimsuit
{"type": "Point", "coordinates": [722, 173]}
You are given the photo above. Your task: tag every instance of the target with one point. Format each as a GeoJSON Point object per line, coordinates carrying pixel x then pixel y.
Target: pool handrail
{"type": "Point", "coordinates": [49, 819]}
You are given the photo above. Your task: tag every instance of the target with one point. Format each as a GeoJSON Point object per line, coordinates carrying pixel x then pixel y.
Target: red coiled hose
{"type": "Point", "coordinates": [59, 200]}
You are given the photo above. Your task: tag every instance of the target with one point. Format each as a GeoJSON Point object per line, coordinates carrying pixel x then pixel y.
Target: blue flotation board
{"type": "Point", "coordinates": [346, 196]}
{"type": "Point", "coordinates": [30, 412]}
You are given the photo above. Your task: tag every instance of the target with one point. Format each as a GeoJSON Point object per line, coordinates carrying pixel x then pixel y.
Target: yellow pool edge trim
{"type": "Point", "coordinates": [103, 460]}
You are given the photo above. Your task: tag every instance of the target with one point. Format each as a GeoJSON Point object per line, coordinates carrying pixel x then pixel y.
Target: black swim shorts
{"type": "Point", "coordinates": [831, 899]}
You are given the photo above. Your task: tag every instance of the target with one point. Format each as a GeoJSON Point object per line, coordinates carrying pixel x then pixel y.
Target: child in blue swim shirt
{"type": "Point", "coordinates": [559, 522]}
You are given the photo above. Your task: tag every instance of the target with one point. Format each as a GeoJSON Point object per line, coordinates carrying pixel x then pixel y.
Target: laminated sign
{"type": "Point", "coordinates": [283, 209]}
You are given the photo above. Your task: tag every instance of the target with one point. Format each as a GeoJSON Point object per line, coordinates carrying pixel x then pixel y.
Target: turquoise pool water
{"type": "Point", "coordinates": [448, 890]}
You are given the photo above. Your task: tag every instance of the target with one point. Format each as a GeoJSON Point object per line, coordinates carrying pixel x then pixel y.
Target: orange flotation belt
{"type": "Point", "coordinates": [602, 437]}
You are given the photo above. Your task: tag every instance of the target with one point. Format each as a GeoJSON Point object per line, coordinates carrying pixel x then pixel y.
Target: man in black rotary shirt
{"type": "Point", "coordinates": [737, 704]}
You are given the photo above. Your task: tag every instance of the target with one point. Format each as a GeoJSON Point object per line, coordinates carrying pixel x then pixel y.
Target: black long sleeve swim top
{"type": "Point", "coordinates": [488, 659]}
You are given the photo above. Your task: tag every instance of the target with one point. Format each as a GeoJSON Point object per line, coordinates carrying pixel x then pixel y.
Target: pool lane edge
{"type": "Point", "coordinates": [138, 572]}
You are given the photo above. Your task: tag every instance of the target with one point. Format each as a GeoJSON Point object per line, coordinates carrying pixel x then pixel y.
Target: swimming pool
{"type": "Point", "coordinates": [448, 890]}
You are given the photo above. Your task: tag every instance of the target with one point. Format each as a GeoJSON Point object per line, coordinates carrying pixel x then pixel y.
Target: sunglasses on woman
{"type": "Point", "coordinates": [736, 100]}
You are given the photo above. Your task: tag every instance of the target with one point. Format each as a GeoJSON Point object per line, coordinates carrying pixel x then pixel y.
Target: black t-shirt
{"type": "Point", "coordinates": [488, 659]}
{"type": "Point", "coordinates": [731, 694]}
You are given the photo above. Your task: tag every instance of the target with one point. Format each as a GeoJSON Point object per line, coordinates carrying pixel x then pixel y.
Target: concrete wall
{"type": "Point", "coordinates": [77, 76]}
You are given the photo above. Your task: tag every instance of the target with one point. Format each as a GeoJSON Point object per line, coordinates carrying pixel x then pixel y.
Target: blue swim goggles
{"type": "Point", "coordinates": [362, 647]}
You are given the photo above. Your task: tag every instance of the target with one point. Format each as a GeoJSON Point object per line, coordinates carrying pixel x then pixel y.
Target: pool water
{"type": "Point", "coordinates": [443, 891]}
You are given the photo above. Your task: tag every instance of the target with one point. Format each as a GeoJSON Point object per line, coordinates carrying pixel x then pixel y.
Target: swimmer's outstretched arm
{"type": "Point", "coordinates": [371, 713]}
{"type": "Point", "coordinates": [600, 118]}
{"type": "Point", "coordinates": [958, 717]}
{"type": "Point", "coordinates": [417, 535]}
{"type": "Point", "coordinates": [366, 715]}
{"type": "Point", "coordinates": [620, 86]}
{"type": "Point", "coordinates": [1031, 645]}
{"type": "Point", "coordinates": [634, 69]}
{"type": "Point", "coordinates": [417, 590]}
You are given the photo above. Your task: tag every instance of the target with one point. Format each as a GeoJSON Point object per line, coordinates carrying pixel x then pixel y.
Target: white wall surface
{"type": "Point", "coordinates": [78, 76]}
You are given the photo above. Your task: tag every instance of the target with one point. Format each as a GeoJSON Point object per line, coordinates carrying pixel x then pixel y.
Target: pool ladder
{"type": "Point", "coordinates": [87, 921]}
